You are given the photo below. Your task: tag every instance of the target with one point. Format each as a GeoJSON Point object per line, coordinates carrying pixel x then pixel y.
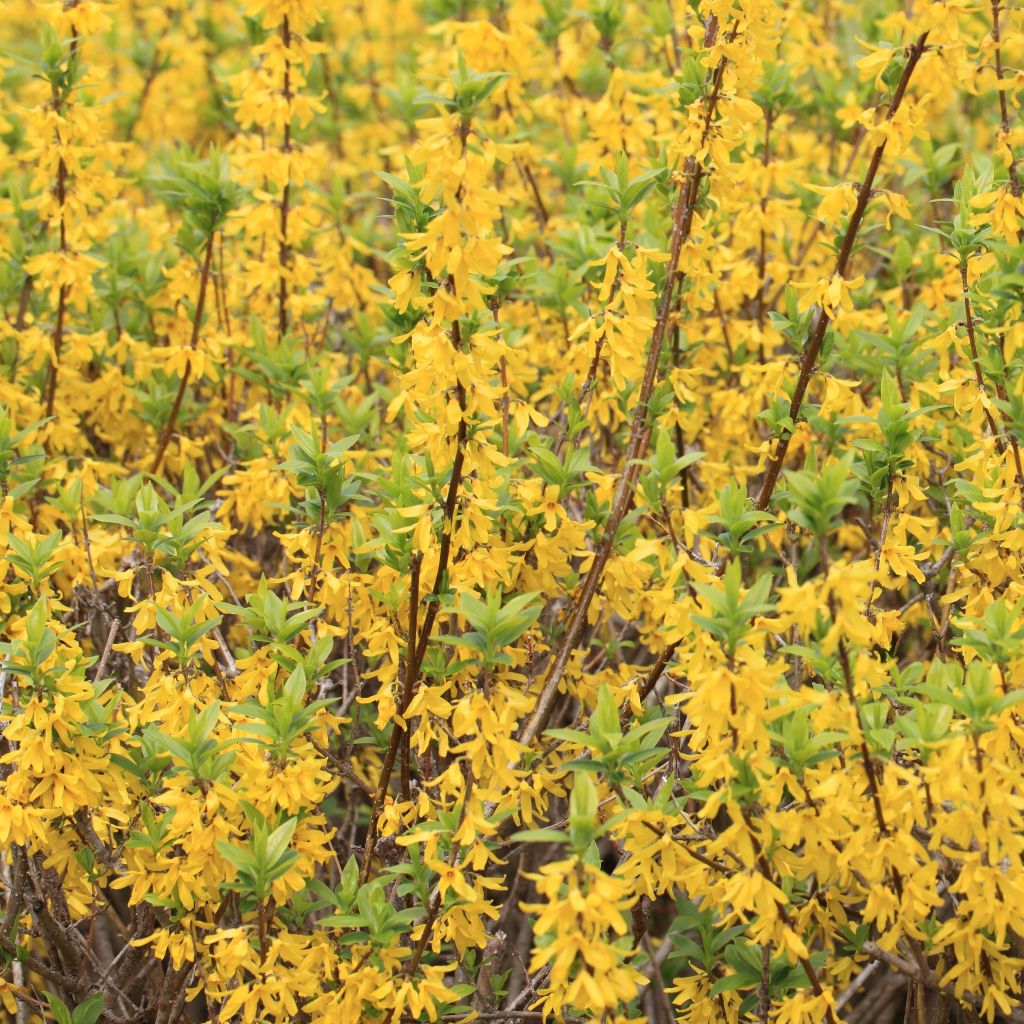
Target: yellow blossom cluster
{"type": "Point", "coordinates": [511, 510]}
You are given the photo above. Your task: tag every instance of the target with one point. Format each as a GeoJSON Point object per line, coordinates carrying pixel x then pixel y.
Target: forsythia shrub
{"type": "Point", "coordinates": [511, 510]}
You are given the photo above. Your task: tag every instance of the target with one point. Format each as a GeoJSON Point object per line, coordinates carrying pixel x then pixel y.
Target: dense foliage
{"type": "Point", "coordinates": [511, 511]}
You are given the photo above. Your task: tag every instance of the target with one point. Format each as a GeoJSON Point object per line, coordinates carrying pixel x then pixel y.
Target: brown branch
{"type": "Point", "coordinates": [821, 321]}
{"type": "Point", "coordinates": [418, 652]}
{"type": "Point", "coordinates": [284, 250]}
{"type": "Point", "coordinates": [196, 323]}
{"type": "Point", "coordinates": [639, 434]}
{"type": "Point", "coordinates": [414, 604]}
{"type": "Point", "coordinates": [915, 972]}
{"type": "Point", "coordinates": [975, 359]}
{"type": "Point", "coordinates": [1003, 111]}
{"type": "Point", "coordinates": [762, 252]}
